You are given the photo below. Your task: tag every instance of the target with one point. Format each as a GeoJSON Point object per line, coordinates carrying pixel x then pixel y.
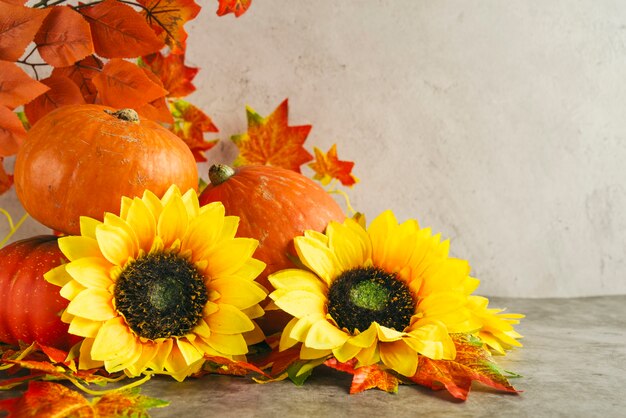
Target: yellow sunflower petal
{"type": "Point", "coordinates": [116, 244]}
{"type": "Point", "coordinates": [296, 279]}
{"type": "Point", "coordinates": [324, 336]}
{"type": "Point", "coordinates": [254, 311]}
{"type": "Point", "coordinates": [204, 230]}
{"type": "Point", "coordinates": [368, 356]}
{"type": "Point", "coordinates": [308, 353]}
{"type": "Point", "coordinates": [163, 350]}
{"type": "Point", "coordinates": [316, 235]}
{"type": "Point", "coordinates": [318, 257]}
{"type": "Point", "coordinates": [88, 226]}
{"type": "Point", "coordinates": [173, 221]}
{"type": "Point", "coordinates": [388, 334]}
{"type": "Point", "coordinates": [142, 221]}
{"type": "Point", "coordinates": [286, 341]}
{"type": "Point", "coordinates": [153, 203]}
{"type": "Point", "coordinates": [75, 247]}
{"type": "Point", "coordinates": [449, 274]}
{"type": "Point", "coordinates": [228, 344]}
{"type": "Point", "coordinates": [202, 329]}
{"type": "Point", "coordinates": [229, 320]}
{"type": "Point", "coordinates": [230, 256]}
{"type": "Point", "coordinates": [91, 272]}
{"type": "Point", "coordinates": [432, 340]}
{"type": "Point", "coordinates": [126, 359]}
{"type": "Point", "coordinates": [302, 326]}
{"type": "Point", "coordinates": [71, 289]}
{"type": "Point", "coordinates": [176, 364]}
{"type": "Point", "coordinates": [149, 349]}
{"type": "Point", "coordinates": [57, 276]}
{"type": "Point", "coordinates": [399, 357]}
{"type": "Point", "coordinates": [366, 338]}
{"type": "Point", "coordinates": [393, 244]}
{"type": "Point", "coordinates": [112, 340]}
{"type": "Point", "coordinates": [240, 293]}
{"type": "Point", "coordinates": [350, 243]}
{"type": "Point", "coordinates": [190, 200]}
{"type": "Point", "coordinates": [85, 361]}
{"type": "Point", "coordinates": [229, 228]}
{"type": "Point", "coordinates": [346, 352]}
{"type": "Point", "coordinates": [94, 304]}
{"type": "Point", "coordinates": [84, 327]}
{"type": "Point", "coordinates": [190, 353]}
{"type": "Point", "coordinates": [255, 336]}
{"type": "Point", "coordinates": [299, 303]}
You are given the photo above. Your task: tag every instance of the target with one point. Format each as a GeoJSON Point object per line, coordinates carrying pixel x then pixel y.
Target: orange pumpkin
{"type": "Point", "coordinates": [274, 206]}
{"type": "Point", "coordinates": [80, 160]}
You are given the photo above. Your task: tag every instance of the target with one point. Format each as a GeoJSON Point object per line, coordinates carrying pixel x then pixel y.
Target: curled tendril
{"type": "Point", "coordinates": [13, 227]}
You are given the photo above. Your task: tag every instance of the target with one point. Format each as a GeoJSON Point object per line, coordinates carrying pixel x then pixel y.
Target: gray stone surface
{"type": "Point", "coordinates": [573, 365]}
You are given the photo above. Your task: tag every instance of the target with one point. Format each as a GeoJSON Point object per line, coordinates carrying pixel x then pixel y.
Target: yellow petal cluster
{"type": "Point", "coordinates": [440, 287]}
{"type": "Point", "coordinates": [174, 224]}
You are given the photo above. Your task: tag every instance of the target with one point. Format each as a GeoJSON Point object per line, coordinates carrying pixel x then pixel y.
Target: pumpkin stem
{"type": "Point", "coordinates": [219, 173]}
{"type": "Point", "coordinates": [129, 115]}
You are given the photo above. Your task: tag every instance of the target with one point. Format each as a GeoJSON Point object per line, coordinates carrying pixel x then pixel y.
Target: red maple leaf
{"type": "Point", "coordinates": [174, 74]}
{"type": "Point", "coordinates": [237, 7]}
{"type": "Point", "coordinates": [190, 124]}
{"type": "Point", "coordinates": [366, 377]}
{"type": "Point", "coordinates": [16, 87]}
{"type": "Point", "coordinates": [328, 166]}
{"type": "Point", "coordinates": [62, 92]}
{"type": "Point", "coordinates": [6, 180]}
{"type": "Point", "coordinates": [12, 134]}
{"type": "Point", "coordinates": [167, 18]}
{"type": "Point", "coordinates": [82, 74]}
{"type": "Point", "coordinates": [270, 141]}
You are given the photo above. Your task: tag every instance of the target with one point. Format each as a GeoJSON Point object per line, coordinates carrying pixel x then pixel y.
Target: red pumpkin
{"type": "Point", "coordinates": [31, 307]}
{"type": "Point", "coordinates": [274, 206]}
{"type": "Point", "coordinates": [80, 160]}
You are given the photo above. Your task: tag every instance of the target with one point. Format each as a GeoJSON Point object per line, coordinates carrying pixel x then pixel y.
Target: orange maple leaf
{"type": "Point", "coordinates": [6, 180]}
{"type": "Point", "coordinates": [366, 377]}
{"type": "Point", "coordinates": [473, 362]}
{"type": "Point", "coordinates": [190, 124]}
{"type": "Point", "coordinates": [174, 74]}
{"type": "Point", "coordinates": [119, 31]}
{"type": "Point", "coordinates": [62, 92]}
{"type": "Point", "coordinates": [328, 166]}
{"type": "Point", "coordinates": [238, 7]}
{"type": "Point", "coordinates": [64, 37]}
{"type": "Point", "coordinates": [124, 84]}
{"type": "Point", "coordinates": [18, 25]}
{"type": "Point", "coordinates": [167, 17]}
{"type": "Point", "coordinates": [270, 141]}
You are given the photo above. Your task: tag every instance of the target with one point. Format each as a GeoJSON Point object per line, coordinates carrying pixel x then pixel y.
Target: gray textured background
{"type": "Point", "coordinates": [499, 124]}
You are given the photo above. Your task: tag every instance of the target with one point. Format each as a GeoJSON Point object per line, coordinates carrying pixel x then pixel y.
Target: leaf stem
{"type": "Point", "coordinates": [85, 389]}
{"type": "Point", "coordinates": [14, 227]}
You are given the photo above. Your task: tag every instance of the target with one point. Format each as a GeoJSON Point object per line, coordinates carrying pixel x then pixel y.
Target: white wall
{"type": "Point", "coordinates": [498, 123]}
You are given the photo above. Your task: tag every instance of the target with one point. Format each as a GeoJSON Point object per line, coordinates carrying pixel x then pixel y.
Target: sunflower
{"type": "Point", "coordinates": [161, 286]}
{"type": "Point", "coordinates": [496, 326]}
{"type": "Point", "coordinates": [388, 293]}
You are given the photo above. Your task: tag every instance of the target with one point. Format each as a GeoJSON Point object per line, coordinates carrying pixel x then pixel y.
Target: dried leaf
{"type": "Point", "coordinates": [328, 166]}
{"type": "Point", "coordinates": [366, 377]}
{"type": "Point", "coordinates": [158, 109]}
{"type": "Point", "coordinates": [47, 399]}
{"type": "Point", "coordinates": [473, 362]}
{"type": "Point", "coordinates": [12, 134]}
{"type": "Point", "coordinates": [18, 25]}
{"type": "Point", "coordinates": [16, 87]}
{"type": "Point", "coordinates": [173, 73]}
{"type": "Point", "coordinates": [6, 180]}
{"type": "Point", "coordinates": [119, 31]}
{"type": "Point", "coordinates": [167, 17]}
{"type": "Point", "coordinates": [190, 124]}
{"type": "Point", "coordinates": [238, 7]}
{"type": "Point", "coordinates": [225, 366]}
{"type": "Point", "coordinates": [62, 92]}
{"type": "Point", "coordinates": [64, 37]}
{"type": "Point", "coordinates": [270, 141]}
{"type": "Point", "coordinates": [82, 74]}
{"type": "Point", "coordinates": [128, 403]}
{"type": "Point", "coordinates": [124, 84]}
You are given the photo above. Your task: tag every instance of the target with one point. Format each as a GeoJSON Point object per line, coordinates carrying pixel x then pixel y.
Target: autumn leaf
{"type": "Point", "coordinates": [48, 399]}
{"type": "Point", "coordinates": [473, 362]}
{"type": "Point", "coordinates": [82, 74]}
{"type": "Point", "coordinates": [174, 74]}
{"type": "Point", "coordinates": [6, 180]}
{"type": "Point", "coordinates": [123, 84]}
{"type": "Point", "coordinates": [62, 92]}
{"type": "Point", "coordinates": [229, 367]}
{"type": "Point", "coordinates": [238, 7]}
{"type": "Point", "coordinates": [64, 37]}
{"type": "Point", "coordinates": [190, 124]}
{"type": "Point", "coordinates": [16, 87]}
{"type": "Point", "coordinates": [119, 31]}
{"type": "Point", "coordinates": [270, 141]}
{"type": "Point", "coordinates": [12, 134]}
{"type": "Point", "coordinates": [18, 26]}
{"type": "Point", "coordinates": [167, 18]}
{"type": "Point", "coordinates": [158, 109]}
{"type": "Point", "coordinates": [366, 377]}
{"type": "Point", "coordinates": [328, 166]}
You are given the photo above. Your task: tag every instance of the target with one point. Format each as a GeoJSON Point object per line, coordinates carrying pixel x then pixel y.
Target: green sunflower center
{"type": "Point", "coordinates": [161, 295]}
{"type": "Point", "coordinates": [364, 295]}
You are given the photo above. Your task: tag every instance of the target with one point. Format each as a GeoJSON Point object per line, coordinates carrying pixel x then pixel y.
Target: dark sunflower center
{"type": "Point", "coordinates": [161, 295]}
{"type": "Point", "coordinates": [366, 294]}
